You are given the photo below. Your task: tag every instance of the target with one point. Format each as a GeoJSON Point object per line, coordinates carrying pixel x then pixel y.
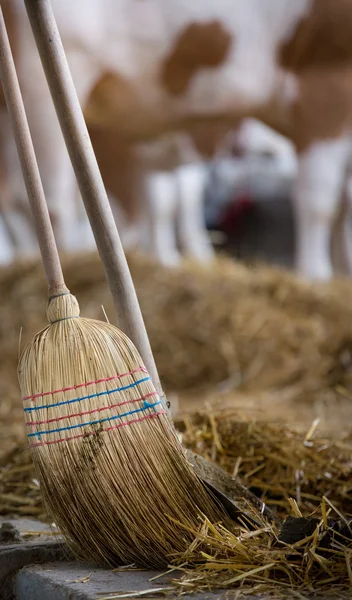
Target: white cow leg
{"type": "Point", "coordinates": [58, 191]}
{"type": "Point", "coordinates": [194, 239]}
{"type": "Point", "coordinates": [321, 169]}
{"type": "Point", "coordinates": [6, 244]}
{"type": "Point", "coordinates": [160, 231]}
{"type": "Point", "coordinates": [14, 204]}
{"type": "Point", "coordinates": [61, 197]}
{"type": "Point", "coordinates": [55, 169]}
{"type": "Point", "coordinates": [20, 233]}
{"type": "Point", "coordinates": [54, 163]}
{"type": "Point", "coordinates": [129, 230]}
{"type": "Point", "coordinates": [347, 227]}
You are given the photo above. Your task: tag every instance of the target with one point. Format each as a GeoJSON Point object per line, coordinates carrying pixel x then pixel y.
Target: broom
{"type": "Point", "coordinates": [112, 471]}
{"type": "Point", "coordinates": [92, 189]}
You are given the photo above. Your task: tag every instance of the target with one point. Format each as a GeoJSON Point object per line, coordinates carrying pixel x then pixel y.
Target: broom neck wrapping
{"type": "Point", "coordinates": [17, 115]}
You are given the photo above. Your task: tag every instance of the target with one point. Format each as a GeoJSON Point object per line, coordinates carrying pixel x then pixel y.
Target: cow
{"type": "Point", "coordinates": [180, 65]}
{"type": "Point", "coordinates": [157, 194]}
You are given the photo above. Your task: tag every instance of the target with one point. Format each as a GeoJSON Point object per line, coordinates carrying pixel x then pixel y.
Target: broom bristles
{"type": "Point", "coordinates": [112, 471]}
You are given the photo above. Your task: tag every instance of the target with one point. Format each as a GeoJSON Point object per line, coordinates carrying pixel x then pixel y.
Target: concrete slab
{"type": "Point", "coordinates": [58, 577]}
{"type": "Point", "coordinates": [24, 542]}
{"type": "Point", "coordinates": [76, 581]}
{"type": "Point", "coordinates": [29, 528]}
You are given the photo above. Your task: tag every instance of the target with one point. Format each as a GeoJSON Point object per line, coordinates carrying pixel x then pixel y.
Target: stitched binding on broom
{"type": "Point", "coordinates": [76, 437]}
{"type": "Point", "coordinates": [96, 395]}
{"type": "Point", "coordinates": [96, 422]}
{"type": "Point", "coordinates": [63, 319]}
{"type": "Point", "coordinates": [58, 296]}
{"type": "Point", "coordinates": [86, 384]}
{"type": "Point", "coordinates": [89, 412]}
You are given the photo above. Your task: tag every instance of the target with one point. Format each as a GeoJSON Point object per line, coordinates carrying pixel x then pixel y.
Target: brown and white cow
{"type": "Point", "coordinates": [157, 193]}
{"type": "Point", "coordinates": [179, 65]}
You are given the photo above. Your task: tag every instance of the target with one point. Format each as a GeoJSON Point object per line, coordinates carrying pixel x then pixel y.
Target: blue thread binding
{"type": "Point", "coordinates": [97, 395]}
{"type": "Point", "coordinates": [58, 296]}
{"type": "Point", "coordinates": [148, 404]}
{"type": "Point", "coordinates": [131, 412]}
{"type": "Point", "coordinates": [63, 319]}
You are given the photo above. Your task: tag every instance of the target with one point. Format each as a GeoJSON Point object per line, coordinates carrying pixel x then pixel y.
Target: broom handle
{"type": "Point", "coordinates": [29, 165]}
{"type": "Point", "coordinates": [89, 179]}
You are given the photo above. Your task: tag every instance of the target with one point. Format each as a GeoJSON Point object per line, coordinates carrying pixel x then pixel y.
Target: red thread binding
{"type": "Point", "coordinates": [79, 385]}
{"type": "Point", "coordinates": [76, 437]}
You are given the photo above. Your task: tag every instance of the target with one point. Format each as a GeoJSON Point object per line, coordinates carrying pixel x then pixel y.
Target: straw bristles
{"type": "Point", "coordinates": [112, 471]}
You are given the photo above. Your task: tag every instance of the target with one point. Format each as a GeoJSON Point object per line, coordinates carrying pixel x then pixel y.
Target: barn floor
{"type": "Point", "coordinates": [80, 582]}
{"type": "Point", "coordinates": [63, 578]}
{"type": "Point", "coordinates": [257, 365]}
{"type": "Point", "coordinates": [38, 566]}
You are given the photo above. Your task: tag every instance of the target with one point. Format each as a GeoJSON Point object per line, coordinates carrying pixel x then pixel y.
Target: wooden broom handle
{"type": "Point", "coordinates": [29, 165]}
{"type": "Point", "coordinates": [89, 179]}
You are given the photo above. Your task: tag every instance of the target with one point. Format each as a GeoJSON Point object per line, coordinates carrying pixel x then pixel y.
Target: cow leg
{"type": "Point", "coordinates": [346, 227]}
{"type": "Point", "coordinates": [321, 169]}
{"type": "Point", "coordinates": [161, 203]}
{"type": "Point", "coordinates": [123, 178]}
{"type": "Point", "coordinates": [6, 244]}
{"type": "Point", "coordinates": [54, 163]}
{"type": "Point", "coordinates": [14, 205]}
{"type": "Point", "coordinates": [129, 231]}
{"type": "Point", "coordinates": [52, 157]}
{"type": "Point", "coordinates": [19, 229]}
{"type": "Point", "coordinates": [194, 239]}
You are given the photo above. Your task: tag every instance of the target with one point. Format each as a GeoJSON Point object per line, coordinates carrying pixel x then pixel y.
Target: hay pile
{"type": "Point", "coordinates": [19, 489]}
{"type": "Point", "coordinates": [295, 472]}
{"type": "Point", "coordinates": [225, 334]}
{"type": "Point", "coordinates": [277, 463]}
{"type": "Point", "coordinates": [257, 565]}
